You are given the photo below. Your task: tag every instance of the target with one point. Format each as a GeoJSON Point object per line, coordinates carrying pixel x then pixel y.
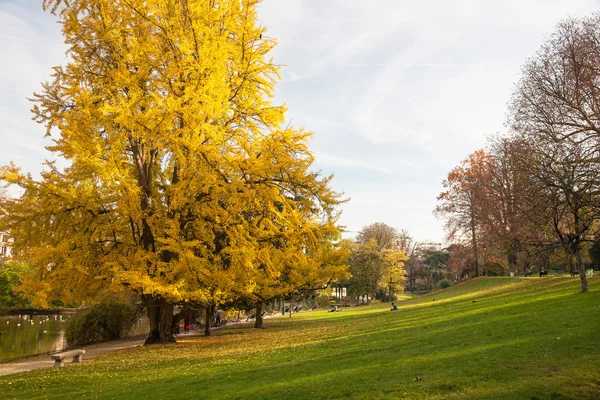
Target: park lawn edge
{"type": "Point", "coordinates": [489, 338]}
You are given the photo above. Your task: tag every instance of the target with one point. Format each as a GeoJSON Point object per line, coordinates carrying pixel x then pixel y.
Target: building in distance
{"type": "Point", "coordinates": [429, 246]}
{"type": "Point", "coordinates": [5, 239]}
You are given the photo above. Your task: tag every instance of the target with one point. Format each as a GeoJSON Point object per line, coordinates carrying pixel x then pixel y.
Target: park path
{"type": "Point", "coordinates": [43, 360]}
{"type": "Point", "coordinates": [91, 351]}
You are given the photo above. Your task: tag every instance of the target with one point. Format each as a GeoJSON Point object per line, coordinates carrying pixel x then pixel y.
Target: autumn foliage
{"type": "Point", "coordinates": [184, 183]}
{"type": "Point", "coordinates": [531, 200]}
{"type": "Point", "coordinates": [461, 201]}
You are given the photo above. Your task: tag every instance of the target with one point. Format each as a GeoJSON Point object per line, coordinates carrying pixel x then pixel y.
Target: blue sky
{"type": "Point", "coordinates": [397, 92]}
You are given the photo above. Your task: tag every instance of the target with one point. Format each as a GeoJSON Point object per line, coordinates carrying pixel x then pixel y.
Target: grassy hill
{"type": "Point", "coordinates": [491, 338]}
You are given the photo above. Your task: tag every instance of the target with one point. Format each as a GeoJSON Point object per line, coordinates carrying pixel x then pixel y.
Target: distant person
{"type": "Point", "coordinates": [186, 325]}
{"type": "Point", "coordinates": [394, 307]}
{"type": "Point", "coordinates": [334, 309]}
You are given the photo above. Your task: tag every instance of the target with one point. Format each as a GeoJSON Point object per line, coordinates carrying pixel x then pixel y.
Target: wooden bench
{"type": "Point", "coordinates": [59, 358]}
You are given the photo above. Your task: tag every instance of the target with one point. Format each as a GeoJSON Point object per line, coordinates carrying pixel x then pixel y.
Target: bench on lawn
{"type": "Point", "coordinates": [60, 357]}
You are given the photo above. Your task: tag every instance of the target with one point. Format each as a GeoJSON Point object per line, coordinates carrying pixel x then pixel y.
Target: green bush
{"type": "Point", "coordinates": [445, 283]}
{"type": "Point", "coordinates": [323, 301]}
{"type": "Point", "coordinates": [11, 278]}
{"type": "Point", "coordinates": [100, 322]}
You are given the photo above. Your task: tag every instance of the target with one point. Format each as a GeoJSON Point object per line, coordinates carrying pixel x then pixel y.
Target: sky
{"type": "Point", "coordinates": [397, 92]}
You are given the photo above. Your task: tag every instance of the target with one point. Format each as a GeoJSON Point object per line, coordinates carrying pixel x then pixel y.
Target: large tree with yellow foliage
{"type": "Point", "coordinates": [184, 185]}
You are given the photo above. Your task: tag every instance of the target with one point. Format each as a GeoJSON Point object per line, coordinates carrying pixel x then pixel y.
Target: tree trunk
{"type": "Point", "coordinates": [208, 319]}
{"type": "Point", "coordinates": [258, 321]}
{"type": "Point", "coordinates": [581, 269]}
{"type": "Point", "coordinates": [572, 266]}
{"type": "Point", "coordinates": [160, 315]}
{"type": "Point", "coordinates": [512, 262]}
{"type": "Point", "coordinates": [475, 251]}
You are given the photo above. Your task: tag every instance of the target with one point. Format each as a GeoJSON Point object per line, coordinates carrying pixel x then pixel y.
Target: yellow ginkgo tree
{"type": "Point", "coordinates": [182, 176]}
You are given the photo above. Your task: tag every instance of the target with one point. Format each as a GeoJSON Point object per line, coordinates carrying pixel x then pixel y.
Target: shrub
{"type": "Point", "coordinates": [100, 322]}
{"type": "Point", "coordinates": [445, 283]}
{"type": "Point", "coordinates": [323, 301]}
{"type": "Point", "coordinates": [11, 279]}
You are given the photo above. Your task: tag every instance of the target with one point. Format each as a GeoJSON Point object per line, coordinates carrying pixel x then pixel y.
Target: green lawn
{"type": "Point", "coordinates": [490, 338]}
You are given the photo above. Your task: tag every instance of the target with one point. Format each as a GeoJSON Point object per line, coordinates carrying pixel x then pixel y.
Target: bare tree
{"type": "Point", "coordinates": [566, 193]}
{"type": "Point", "coordinates": [413, 265]}
{"type": "Point", "coordinates": [556, 109]}
{"type": "Point", "coordinates": [559, 93]}
{"type": "Point", "coordinates": [384, 235]}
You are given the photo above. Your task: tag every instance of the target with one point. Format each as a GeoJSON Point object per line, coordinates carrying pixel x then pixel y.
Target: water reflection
{"type": "Point", "coordinates": [25, 335]}
{"type": "Point", "coordinates": [31, 334]}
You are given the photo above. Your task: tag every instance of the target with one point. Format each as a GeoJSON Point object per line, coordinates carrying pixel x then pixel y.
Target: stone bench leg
{"type": "Point", "coordinates": [77, 358]}
{"type": "Point", "coordinates": [58, 363]}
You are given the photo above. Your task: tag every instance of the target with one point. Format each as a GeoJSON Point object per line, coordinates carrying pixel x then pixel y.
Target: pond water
{"type": "Point", "coordinates": [23, 335]}
{"type": "Point", "coordinates": [26, 335]}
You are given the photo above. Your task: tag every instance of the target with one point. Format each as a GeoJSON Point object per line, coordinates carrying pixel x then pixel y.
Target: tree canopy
{"type": "Point", "coordinates": [184, 184]}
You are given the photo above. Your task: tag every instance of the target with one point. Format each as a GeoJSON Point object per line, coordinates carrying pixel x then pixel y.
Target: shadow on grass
{"type": "Point", "coordinates": [503, 346]}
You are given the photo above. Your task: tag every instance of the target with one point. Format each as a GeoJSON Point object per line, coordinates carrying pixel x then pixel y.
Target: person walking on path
{"type": "Point", "coordinates": [186, 324]}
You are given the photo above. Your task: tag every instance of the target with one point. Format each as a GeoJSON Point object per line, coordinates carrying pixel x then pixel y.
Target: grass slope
{"type": "Point", "coordinates": [491, 338]}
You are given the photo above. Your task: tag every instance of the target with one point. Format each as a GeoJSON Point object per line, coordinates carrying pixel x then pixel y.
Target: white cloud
{"type": "Point", "coordinates": [30, 45]}
{"type": "Point", "coordinates": [336, 161]}
{"type": "Point", "coordinates": [397, 92]}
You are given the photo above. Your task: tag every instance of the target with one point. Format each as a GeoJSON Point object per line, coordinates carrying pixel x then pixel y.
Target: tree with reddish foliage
{"type": "Point", "coordinates": [460, 262]}
{"type": "Point", "coordinates": [556, 109]}
{"type": "Point", "coordinates": [462, 200]}
{"type": "Point", "coordinates": [506, 221]}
